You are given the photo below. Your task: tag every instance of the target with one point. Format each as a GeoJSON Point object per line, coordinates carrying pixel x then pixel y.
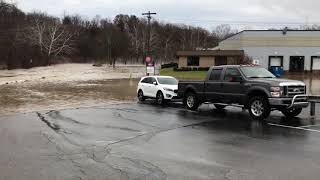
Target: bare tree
{"type": "Point", "coordinates": [52, 37]}
{"type": "Point", "coordinates": [58, 40]}
{"type": "Point", "coordinates": [223, 31]}
{"type": "Point", "coordinates": [34, 39]}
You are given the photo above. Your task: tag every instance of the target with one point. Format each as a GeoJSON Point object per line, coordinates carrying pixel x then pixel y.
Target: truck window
{"type": "Point", "coordinates": [215, 75]}
{"type": "Point", "coordinates": [230, 73]}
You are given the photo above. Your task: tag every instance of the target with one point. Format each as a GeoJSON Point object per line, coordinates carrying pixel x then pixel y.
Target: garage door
{"type": "Point", "coordinates": [316, 63]}
{"type": "Point", "coordinates": [275, 61]}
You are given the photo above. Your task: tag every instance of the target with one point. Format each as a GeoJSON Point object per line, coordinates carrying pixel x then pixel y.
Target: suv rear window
{"type": "Point", "coordinates": [215, 75]}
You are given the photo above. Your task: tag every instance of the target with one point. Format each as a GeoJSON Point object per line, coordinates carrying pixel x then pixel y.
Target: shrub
{"type": "Point", "coordinates": [169, 65]}
{"type": "Point", "coordinates": [203, 69]}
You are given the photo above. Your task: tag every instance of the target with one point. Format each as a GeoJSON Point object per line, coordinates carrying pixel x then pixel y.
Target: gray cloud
{"type": "Point", "coordinates": [206, 13]}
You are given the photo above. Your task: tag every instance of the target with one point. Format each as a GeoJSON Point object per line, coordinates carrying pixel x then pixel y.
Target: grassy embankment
{"type": "Point", "coordinates": [184, 75]}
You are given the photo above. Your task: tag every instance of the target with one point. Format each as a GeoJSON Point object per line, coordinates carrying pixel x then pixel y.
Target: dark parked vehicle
{"type": "Point", "coordinates": [250, 87]}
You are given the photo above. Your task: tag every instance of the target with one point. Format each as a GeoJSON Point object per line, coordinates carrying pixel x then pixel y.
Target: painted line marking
{"type": "Point", "coordinates": [315, 125]}
{"type": "Point", "coordinates": [292, 127]}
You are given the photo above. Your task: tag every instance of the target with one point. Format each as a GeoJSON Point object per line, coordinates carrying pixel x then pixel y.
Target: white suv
{"type": "Point", "coordinates": [161, 88]}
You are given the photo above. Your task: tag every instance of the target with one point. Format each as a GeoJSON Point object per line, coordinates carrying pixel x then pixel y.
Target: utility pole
{"type": "Point", "coordinates": [149, 16]}
{"type": "Point", "coordinates": [149, 62]}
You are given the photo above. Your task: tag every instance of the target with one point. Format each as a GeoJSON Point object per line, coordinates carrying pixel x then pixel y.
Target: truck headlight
{"type": "Point", "coordinates": [168, 89]}
{"type": "Point", "coordinates": [275, 89]}
{"type": "Point", "coordinates": [275, 94]}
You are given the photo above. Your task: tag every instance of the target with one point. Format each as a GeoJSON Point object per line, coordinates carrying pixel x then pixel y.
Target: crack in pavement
{"type": "Point", "coordinates": [153, 169]}
{"type": "Point", "coordinates": [154, 133]}
{"type": "Point", "coordinates": [57, 128]}
{"type": "Point", "coordinates": [53, 126]}
{"type": "Point", "coordinates": [116, 114]}
{"type": "Point", "coordinates": [57, 115]}
{"type": "Point", "coordinates": [137, 168]}
{"type": "Point", "coordinates": [122, 128]}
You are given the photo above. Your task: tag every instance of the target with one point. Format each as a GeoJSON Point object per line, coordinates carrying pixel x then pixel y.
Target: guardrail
{"type": "Point", "coordinates": [313, 100]}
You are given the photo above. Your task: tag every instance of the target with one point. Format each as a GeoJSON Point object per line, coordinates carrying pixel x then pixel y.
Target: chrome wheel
{"type": "Point", "coordinates": [190, 101]}
{"type": "Point", "coordinates": [257, 108]}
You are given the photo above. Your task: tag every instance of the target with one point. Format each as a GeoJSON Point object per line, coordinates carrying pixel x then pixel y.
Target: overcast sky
{"type": "Point", "coordinates": [206, 13]}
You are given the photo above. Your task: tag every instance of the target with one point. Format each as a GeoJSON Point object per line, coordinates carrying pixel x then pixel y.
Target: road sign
{"type": "Point", "coordinates": [150, 68]}
{"type": "Point", "coordinates": [148, 59]}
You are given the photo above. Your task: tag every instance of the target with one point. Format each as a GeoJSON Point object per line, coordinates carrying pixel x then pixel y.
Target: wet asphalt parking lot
{"type": "Point", "coordinates": [145, 141]}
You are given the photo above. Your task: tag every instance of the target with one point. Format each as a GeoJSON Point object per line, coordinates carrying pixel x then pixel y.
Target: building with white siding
{"type": "Point", "coordinates": [294, 50]}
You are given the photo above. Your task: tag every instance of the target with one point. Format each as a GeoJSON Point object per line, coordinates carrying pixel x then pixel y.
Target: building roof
{"type": "Point", "coordinates": [211, 53]}
{"type": "Point", "coordinates": [283, 32]}
{"type": "Point", "coordinates": [271, 38]}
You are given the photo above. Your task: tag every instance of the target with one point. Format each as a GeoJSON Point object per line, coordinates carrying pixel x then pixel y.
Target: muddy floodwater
{"type": "Point", "coordinates": [24, 97]}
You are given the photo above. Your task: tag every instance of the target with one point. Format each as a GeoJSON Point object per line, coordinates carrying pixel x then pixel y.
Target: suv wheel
{"type": "Point", "coordinates": [140, 96]}
{"type": "Point", "coordinates": [160, 98]}
{"type": "Point", "coordinates": [191, 101]}
{"type": "Point", "coordinates": [220, 107]}
{"type": "Point", "coordinates": [292, 112]}
{"type": "Point", "coordinates": [259, 108]}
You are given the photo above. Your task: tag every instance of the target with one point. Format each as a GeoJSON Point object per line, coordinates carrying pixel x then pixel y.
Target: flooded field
{"type": "Point", "coordinates": [24, 97]}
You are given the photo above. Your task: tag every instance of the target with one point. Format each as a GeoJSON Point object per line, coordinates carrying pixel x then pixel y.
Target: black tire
{"type": "Point", "coordinates": [259, 108]}
{"type": "Point", "coordinates": [219, 107]}
{"type": "Point", "coordinates": [292, 112]}
{"type": "Point", "coordinates": [141, 97]}
{"type": "Point", "coordinates": [160, 98]}
{"type": "Point", "coordinates": [191, 101]}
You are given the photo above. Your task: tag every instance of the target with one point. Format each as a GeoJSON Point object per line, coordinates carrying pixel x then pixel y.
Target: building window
{"type": "Point", "coordinates": [315, 63]}
{"type": "Point", "coordinates": [221, 60]}
{"type": "Point", "coordinates": [193, 61]}
{"type": "Point", "coordinates": [275, 61]}
{"type": "Point", "coordinates": [296, 64]}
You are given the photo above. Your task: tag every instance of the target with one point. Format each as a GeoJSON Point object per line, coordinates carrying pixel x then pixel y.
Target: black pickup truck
{"type": "Point", "coordinates": [250, 87]}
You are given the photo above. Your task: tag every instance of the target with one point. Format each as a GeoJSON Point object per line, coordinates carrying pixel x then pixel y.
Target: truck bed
{"type": "Point", "coordinates": [195, 85]}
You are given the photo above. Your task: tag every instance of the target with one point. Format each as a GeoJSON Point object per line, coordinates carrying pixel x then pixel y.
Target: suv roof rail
{"type": "Point", "coordinates": [249, 65]}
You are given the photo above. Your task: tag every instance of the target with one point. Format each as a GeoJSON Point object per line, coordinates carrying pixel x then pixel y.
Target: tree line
{"type": "Point", "coordinates": [38, 39]}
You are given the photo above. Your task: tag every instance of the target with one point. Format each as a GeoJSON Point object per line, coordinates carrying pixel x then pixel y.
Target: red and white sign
{"type": "Point", "coordinates": [148, 59]}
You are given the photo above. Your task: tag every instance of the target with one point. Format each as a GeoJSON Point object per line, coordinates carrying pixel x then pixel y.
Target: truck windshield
{"type": "Point", "coordinates": [168, 81]}
{"type": "Point", "coordinates": [256, 72]}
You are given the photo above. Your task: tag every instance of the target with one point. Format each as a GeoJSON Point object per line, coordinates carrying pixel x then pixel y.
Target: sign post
{"type": "Point", "coordinates": [150, 66]}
